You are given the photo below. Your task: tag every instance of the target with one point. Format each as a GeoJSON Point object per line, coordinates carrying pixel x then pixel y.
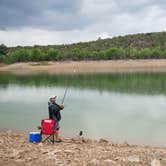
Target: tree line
{"type": "Point", "coordinates": [139, 46]}
{"type": "Point", "coordinates": [36, 54]}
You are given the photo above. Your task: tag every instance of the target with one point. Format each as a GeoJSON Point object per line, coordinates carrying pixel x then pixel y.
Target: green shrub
{"type": "Point", "coordinates": [114, 53]}
{"type": "Point", "coordinates": [36, 55]}
{"type": "Point", "coordinates": [95, 55]}
{"type": "Point", "coordinates": [53, 54]}
{"type": "Point", "coordinates": [20, 55]}
{"type": "Point", "coordinates": [144, 53]}
{"type": "Point", "coordinates": [156, 52]}
{"type": "Point", "coordinates": [121, 53]}
{"type": "Point", "coordinates": [102, 55]}
{"type": "Point", "coordinates": [2, 58]}
{"type": "Point", "coordinates": [76, 54]}
{"type": "Point", "coordinates": [133, 53]}
{"type": "Point", "coordinates": [3, 49]}
{"type": "Point", "coordinates": [163, 54]}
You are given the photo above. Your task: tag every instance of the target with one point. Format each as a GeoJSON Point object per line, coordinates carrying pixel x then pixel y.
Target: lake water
{"type": "Point", "coordinates": [120, 107]}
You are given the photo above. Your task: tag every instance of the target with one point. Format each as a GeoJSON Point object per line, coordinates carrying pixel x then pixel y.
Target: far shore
{"type": "Point", "coordinates": [85, 67]}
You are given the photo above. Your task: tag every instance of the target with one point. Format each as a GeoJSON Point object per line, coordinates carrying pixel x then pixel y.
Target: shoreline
{"type": "Point", "coordinates": [16, 150]}
{"type": "Point", "coordinates": [87, 67]}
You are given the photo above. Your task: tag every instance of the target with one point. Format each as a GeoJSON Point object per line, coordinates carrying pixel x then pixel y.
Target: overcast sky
{"type": "Point", "coordinates": [43, 22]}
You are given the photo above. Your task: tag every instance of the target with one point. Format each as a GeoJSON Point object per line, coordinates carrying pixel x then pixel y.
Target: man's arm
{"type": "Point", "coordinates": [58, 107]}
{"type": "Point", "coordinates": [61, 107]}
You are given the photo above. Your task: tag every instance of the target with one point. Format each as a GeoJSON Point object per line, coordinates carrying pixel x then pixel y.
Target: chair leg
{"type": "Point", "coordinates": [47, 139]}
{"type": "Point", "coordinates": [53, 139]}
{"type": "Point", "coordinates": [50, 138]}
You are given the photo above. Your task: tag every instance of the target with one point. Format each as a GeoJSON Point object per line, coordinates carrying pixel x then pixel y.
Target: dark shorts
{"type": "Point", "coordinates": [56, 127]}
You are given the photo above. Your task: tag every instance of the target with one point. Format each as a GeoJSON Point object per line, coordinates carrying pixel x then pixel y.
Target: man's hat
{"type": "Point", "coordinates": [53, 97]}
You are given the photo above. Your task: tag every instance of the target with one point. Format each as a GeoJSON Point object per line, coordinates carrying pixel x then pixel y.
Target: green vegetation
{"type": "Point", "coordinates": [53, 54]}
{"type": "Point", "coordinates": [138, 46]}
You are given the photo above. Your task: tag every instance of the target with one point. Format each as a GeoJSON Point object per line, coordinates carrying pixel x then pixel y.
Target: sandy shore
{"type": "Point", "coordinates": [16, 150]}
{"type": "Point", "coordinates": [74, 67]}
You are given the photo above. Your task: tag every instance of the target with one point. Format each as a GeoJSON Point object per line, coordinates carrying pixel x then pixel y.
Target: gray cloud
{"type": "Point", "coordinates": [53, 14]}
{"type": "Point", "coordinates": [67, 14]}
{"type": "Point", "coordinates": [65, 21]}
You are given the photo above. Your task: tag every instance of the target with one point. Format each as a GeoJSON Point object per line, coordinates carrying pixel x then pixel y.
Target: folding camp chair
{"type": "Point", "coordinates": [47, 130]}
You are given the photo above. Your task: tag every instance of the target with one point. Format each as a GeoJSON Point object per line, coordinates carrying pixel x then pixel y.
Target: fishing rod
{"type": "Point", "coordinates": [64, 95]}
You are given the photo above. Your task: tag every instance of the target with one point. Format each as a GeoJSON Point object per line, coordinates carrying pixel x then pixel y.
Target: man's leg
{"type": "Point", "coordinates": [57, 127]}
{"type": "Point", "coordinates": [57, 136]}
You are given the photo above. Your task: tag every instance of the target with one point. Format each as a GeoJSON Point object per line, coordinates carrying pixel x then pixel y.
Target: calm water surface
{"type": "Point", "coordinates": [121, 107]}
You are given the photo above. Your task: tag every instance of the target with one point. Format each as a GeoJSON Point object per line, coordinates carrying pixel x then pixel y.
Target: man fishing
{"type": "Point", "coordinates": [54, 113]}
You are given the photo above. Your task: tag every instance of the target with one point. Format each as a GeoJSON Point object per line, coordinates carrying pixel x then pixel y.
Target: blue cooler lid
{"type": "Point", "coordinates": [34, 137]}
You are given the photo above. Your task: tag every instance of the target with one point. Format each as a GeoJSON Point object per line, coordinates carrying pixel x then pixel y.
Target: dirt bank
{"type": "Point", "coordinates": [73, 67]}
{"type": "Point", "coordinates": [16, 150]}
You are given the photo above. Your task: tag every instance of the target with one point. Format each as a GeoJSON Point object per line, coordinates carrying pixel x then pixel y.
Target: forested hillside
{"type": "Point", "coordinates": [138, 46]}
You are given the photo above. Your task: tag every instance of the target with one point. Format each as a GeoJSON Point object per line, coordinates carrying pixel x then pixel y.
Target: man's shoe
{"type": "Point", "coordinates": [59, 140]}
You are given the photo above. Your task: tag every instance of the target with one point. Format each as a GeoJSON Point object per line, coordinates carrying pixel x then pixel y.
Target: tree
{"type": "Point", "coordinates": [3, 49]}
{"type": "Point", "coordinates": [114, 53]}
{"type": "Point", "coordinates": [76, 54]}
{"type": "Point", "coordinates": [132, 53]}
{"type": "Point", "coordinates": [102, 55]}
{"type": "Point", "coordinates": [2, 57]}
{"type": "Point", "coordinates": [156, 52]}
{"type": "Point", "coordinates": [53, 54]}
{"type": "Point", "coordinates": [95, 55]}
{"type": "Point", "coordinates": [164, 53]}
{"type": "Point", "coordinates": [36, 54]}
{"type": "Point", "coordinates": [20, 55]}
{"type": "Point", "coordinates": [121, 53]}
{"type": "Point", "coordinates": [145, 53]}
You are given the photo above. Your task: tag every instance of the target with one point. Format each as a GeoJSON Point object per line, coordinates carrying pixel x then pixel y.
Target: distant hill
{"type": "Point", "coordinates": [137, 46]}
{"type": "Point", "coordinates": [141, 40]}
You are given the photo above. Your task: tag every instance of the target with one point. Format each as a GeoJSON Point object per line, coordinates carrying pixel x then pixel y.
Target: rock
{"type": "Point", "coordinates": [29, 159]}
{"type": "Point", "coordinates": [130, 158]}
{"type": "Point", "coordinates": [52, 154]}
{"type": "Point", "coordinates": [9, 131]}
{"type": "Point", "coordinates": [156, 155]}
{"type": "Point", "coordinates": [69, 151]}
{"type": "Point", "coordinates": [125, 144]}
{"type": "Point", "coordinates": [1, 141]}
{"type": "Point", "coordinates": [15, 153]}
{"type": "Point", "coordinates": [40, 144]}
{"type": "Point", "coordinates": [103, 140]}
{"type": "Point", "coordinates": [20, 160]}
{"type": "Point", "coordinates": [44, 151]}
{"type": "Point", "coordinates": [155, 162]}
{"type": "Point", "coordinates": [117, 158]}
{"type": "Point", "coordinates": [164, 160]}
{"type": "Point", "coordinates": [109, 162]}
{"type": "Point", "coordinates": [133, 158]}
{"type": "Point", "coordinates": [94, 162]}
{"type": "Point", "coordinates": [56, 151]}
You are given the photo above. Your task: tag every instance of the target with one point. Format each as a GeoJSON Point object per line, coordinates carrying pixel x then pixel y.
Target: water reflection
{"type": "Point", "coordinates": [146, 83]}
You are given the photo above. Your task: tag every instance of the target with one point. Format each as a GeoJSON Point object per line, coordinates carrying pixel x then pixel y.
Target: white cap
{"type": "Point", "coordinates": [53, 97]}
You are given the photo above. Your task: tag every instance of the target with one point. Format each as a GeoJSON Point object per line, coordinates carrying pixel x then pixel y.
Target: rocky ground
{"type": "Point", "coordinates": [16, 150]}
